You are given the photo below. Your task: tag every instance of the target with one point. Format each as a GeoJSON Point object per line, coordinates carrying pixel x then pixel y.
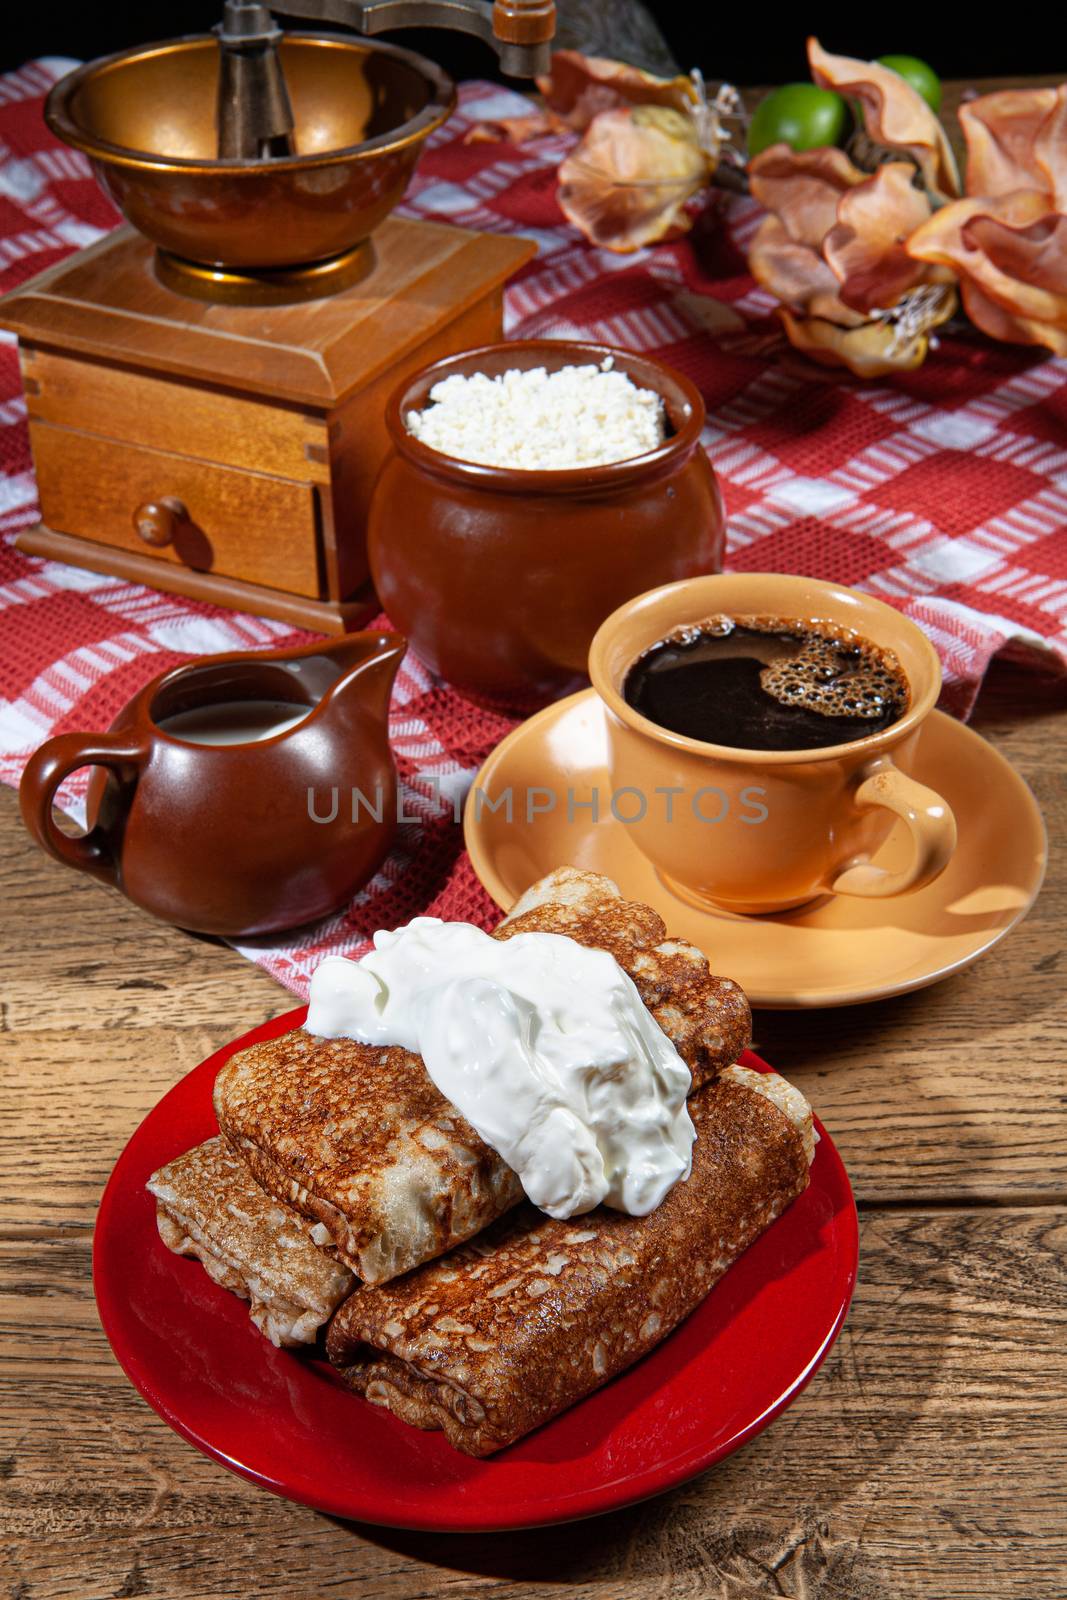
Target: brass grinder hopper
{"type": "Point", "coordinates": [260, 163]}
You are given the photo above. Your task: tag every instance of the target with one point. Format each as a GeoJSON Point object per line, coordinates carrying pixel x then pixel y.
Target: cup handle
{"type": "Point", "coordinates": [931, 825]}
{"type": "Point", "coordinates": [44, 772]}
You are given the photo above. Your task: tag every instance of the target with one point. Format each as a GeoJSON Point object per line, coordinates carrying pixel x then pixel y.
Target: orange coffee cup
{"type": "Point", "coordinates": [766, 830]}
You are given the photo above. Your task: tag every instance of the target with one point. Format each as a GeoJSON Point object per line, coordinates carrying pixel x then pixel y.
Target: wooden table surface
{"type": "Point", "coordinates": [925, 1460]}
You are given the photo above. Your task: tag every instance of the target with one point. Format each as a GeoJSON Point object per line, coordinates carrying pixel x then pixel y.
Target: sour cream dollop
{"type": "Point", "coordinates": [543, 1045]}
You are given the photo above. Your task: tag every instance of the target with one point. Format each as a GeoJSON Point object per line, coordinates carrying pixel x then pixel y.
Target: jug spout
{"type": "Point", "coordinates": [372, 660]}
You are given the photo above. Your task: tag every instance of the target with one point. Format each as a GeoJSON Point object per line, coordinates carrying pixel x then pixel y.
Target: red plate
{"type": "Point", "coordinates": [285, 1421]}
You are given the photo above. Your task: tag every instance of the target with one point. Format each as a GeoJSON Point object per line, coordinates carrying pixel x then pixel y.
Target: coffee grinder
{"type": "Point", "coordinates": [206, 385]}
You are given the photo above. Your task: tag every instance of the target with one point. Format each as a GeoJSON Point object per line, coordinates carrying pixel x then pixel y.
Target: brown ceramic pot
{"type": "Point", "coordinates": [500, 577]}
{"type": "Point", "coordinates": [236, 838]}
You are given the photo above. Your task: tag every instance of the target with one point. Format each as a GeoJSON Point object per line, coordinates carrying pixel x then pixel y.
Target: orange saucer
{"type": "Point", "coordinates": [832, 952]}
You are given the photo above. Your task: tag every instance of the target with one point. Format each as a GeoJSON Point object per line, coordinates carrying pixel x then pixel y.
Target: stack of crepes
{"type": "Point", "coordinates": [345, 1189]}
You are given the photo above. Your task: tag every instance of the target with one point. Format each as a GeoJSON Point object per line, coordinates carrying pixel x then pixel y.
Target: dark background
{"type": "Point", "coordinates": [742, 41]}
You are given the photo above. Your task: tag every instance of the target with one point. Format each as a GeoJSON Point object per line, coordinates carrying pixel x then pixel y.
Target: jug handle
{"type": "Point", "coordinates": [44, 772]}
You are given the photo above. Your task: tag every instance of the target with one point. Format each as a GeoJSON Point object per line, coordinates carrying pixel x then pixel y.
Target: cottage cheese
{"type": "Point", "coordinates": [537, 420]}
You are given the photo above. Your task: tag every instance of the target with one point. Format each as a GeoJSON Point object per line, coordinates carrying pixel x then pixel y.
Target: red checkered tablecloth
{"type": "Point", "coordinates": [943, 492]}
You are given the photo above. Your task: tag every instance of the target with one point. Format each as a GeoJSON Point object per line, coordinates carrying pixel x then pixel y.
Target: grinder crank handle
{"type": "Point", "coordinates": [520, 31]}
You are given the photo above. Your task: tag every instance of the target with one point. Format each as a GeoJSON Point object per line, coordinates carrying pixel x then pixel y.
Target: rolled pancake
{"type": "Point", "coordinates": [360, 1138]}
{"type": "Point", "coordinates": [707, 1018]}
{"type": "Point", "coordinates": [514, 1327]}
{"type": "Point", "coordinates": [209, 1206]}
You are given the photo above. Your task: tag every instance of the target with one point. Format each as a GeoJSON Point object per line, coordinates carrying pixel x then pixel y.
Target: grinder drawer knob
{"type": "Point", "coordinates": [157, 521]}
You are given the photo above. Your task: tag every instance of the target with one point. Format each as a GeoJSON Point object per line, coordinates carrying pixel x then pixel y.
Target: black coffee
{"type": "Point", "coordinates": [768, 683]}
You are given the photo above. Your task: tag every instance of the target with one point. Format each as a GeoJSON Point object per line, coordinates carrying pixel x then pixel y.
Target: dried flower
{"type": "Point", "coordinates": [832, 252]}
{"type": "Point", "coordinates": [628, 182]}
{"type": "Point", "coordinates": [649, 145]}
{"type": "Point", "coordinates": [895, 115]}
{"type": "Point", "coordinates": [1007, 241]}
{"type": "Point", "coordinates": [579, 88]}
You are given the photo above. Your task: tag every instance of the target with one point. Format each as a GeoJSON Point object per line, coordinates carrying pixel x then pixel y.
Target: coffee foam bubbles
{"type": "Point", "coordinates": [833, 672]}
{"type": "Point", "coordinates": [827, 678]}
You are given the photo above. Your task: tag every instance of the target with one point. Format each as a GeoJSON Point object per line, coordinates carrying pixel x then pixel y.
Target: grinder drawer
{"type": "Point", "coordinates": [177, 509]}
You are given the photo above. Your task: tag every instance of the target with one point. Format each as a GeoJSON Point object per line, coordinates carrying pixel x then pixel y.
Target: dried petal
{"type": "Point", "coordinates": [1050, 150]}
{"type": "Point", "coordinates": [1000, 130]}
{"type": "Point", "coordinates": [895, 114]}
{"type": "Point", "coordinates": [871, 348]}
{"type": "Point", "coordinates": [1009, 252]}
{"type": "Point", "coordinates": [830, 307]}
{"type": "Point", "coordinates": [866, 247]}
{"type": "Point", "coordinates": [578, 88]}
{"type": "Point", "coordinates": [793, 272]}
{"type": "Point", "coordinates": [1034, 256]}
{"type": "Point", "coordinates": [1001, 324]}
{"type": "Point", "coordinates": [516, 129]}
{"type": "Point", "coordinates": [803, 187]}
{"type": "Point", "coordinates": [862, 350]}
{"type": "Point", "coordinates": [709, 314]}
{"type": "Point", "coordinates": [628, 181]}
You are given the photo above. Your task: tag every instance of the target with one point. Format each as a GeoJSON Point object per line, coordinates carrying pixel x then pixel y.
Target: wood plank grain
{"type": "Point", "coordinates": [76, 957]}
{"type": "Point", "coordinates": [917, 1463]}
{"type": "Point", "coordinates": [54, 1169]}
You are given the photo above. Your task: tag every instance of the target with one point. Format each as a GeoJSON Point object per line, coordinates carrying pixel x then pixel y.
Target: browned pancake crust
{"type": "Point", "coordinates": [209, 1206]}
{"type": "Point", "coordinates": [362, 1140]}
{"type": "Point", "coordinates": [707, 1018]}
{"type": "Point", "coordinates": [514, 1327]}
